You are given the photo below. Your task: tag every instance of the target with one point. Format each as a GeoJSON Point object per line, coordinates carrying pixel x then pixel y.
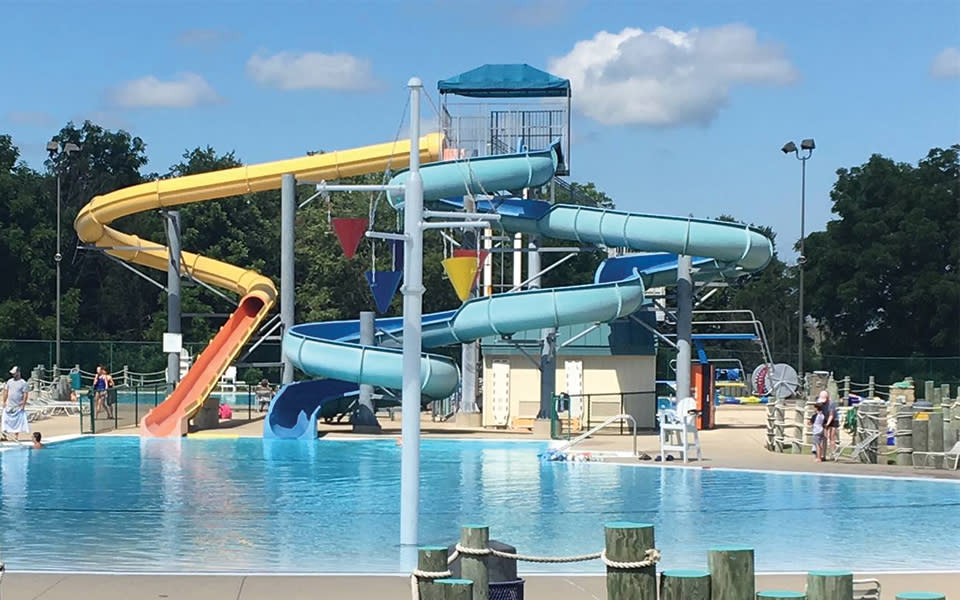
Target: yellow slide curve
{"type": "Point", "coordinates": [171, 417]}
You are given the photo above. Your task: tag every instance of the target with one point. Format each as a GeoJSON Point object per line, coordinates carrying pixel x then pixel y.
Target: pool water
{"type": "Point", "coordinates": [252, 505]}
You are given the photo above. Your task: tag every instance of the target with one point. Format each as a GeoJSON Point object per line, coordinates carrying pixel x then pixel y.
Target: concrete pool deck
{"type": "Point", "coordinates": [55, 586]}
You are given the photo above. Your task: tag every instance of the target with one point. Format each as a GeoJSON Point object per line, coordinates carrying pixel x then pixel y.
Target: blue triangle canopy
{"type": "Point", "coordinates": [506, 81]}
{"type": "Point", "coordinates": [383, 285]}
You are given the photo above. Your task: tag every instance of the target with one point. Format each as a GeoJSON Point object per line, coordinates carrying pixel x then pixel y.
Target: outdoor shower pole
{"type": "Point", "coordinates": [412, 330]}
{"type": "Point", "coordinates": [288, 209]}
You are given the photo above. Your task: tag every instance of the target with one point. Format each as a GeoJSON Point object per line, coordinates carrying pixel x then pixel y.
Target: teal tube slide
{"type": "Point", "coordinates": [331, 350]}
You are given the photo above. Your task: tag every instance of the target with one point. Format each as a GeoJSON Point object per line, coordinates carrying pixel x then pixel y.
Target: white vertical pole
{"type": "Point", "coordinates": [517, 260]}
{"type": "Point", "coordinates": [412, 330]}
{"type": "Point", "coordinates": [173, 291]}
{"type": "Point", "coordinates": [488, 262]}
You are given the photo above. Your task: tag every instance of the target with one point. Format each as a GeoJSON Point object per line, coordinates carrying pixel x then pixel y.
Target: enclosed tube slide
{"type": "Point", "coordinates": [171, 417]}
{"type": "Point", "coordinates": [332, 350]}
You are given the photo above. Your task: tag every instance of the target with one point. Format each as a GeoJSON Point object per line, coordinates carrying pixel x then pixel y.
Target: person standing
{"type": "Point", "coordinates": [15, 396]}
{"type": "Point", "coordinates": [102, 381]}
{"type": "Point", "coordinates": [831, 421]}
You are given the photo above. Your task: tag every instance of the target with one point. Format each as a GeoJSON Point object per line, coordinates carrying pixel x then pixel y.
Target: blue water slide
{"type": "Point", "coordinates": [331, 350]}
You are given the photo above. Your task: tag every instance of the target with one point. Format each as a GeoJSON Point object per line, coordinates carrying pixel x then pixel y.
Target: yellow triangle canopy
{"type": "Point", "coordinates": [462, 271]}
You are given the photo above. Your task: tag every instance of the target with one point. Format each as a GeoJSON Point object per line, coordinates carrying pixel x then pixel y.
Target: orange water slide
{"type": "Point", "coordinates": [258, 293]}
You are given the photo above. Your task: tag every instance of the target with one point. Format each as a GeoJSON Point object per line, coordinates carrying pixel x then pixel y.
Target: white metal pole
{"type": "Point", "coordinates": [58, 257]}
{"type": "Point", "coordinates": [517, 260]}
{"type": "Point", "coordinates": [288, 209]}
{"type": "Point", "coordinates": [684, 327]}
{"type": "Point", "coordinates": [412, 330]}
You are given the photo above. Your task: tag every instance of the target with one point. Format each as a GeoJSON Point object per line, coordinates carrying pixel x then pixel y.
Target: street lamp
{"type": "Point", "coordinates": [54, 148]}
{"type": "Point", "coordinates": [807, 147]}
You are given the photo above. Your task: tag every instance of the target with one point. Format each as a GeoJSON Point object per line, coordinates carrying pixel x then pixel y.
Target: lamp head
{"type": "Point", "coordinates": [71, 147]}
{"type": "Point", "coordinates": [807, 144]}
{"type": "Point", "coordinates": [52, 146]}
{"type": "Point", "coordinates": [788, 148]}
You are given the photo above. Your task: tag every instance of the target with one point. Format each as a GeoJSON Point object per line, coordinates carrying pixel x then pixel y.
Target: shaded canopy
{"type": "Point", "coordinates": [506, 81]}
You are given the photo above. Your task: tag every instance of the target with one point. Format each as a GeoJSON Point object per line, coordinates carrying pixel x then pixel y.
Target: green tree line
{"type": "Point", "coordinates": [881, 280]}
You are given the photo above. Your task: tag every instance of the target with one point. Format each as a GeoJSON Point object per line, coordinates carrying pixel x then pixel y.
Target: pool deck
{"type": "Point", "coordinates": [737, 443]}
{"type": "Point", "coordinates": [52, 586]}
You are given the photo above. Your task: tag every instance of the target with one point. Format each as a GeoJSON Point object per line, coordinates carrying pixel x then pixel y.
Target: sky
{"type": "Point", "coordinates": [679, 107]}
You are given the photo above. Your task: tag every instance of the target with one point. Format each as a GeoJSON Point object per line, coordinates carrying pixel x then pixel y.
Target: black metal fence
{"type": "Point", "coordinates": [123, 407]}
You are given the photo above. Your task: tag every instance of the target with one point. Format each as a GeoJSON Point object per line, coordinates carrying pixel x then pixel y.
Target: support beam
{"type": "Point", "coordinates": [517, 260]}
{"type": "Point", "coordinates": [469, 352]}
{"type": "Point", "coordinates": [364, 418]}
{"type": "Point", "coordinates": [173, 292]}
{"type": "Point", "coordinates": [684, 324]}
{"type": "Point", "coordinates": [288, 209]}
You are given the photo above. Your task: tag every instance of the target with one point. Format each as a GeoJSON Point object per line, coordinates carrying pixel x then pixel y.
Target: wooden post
{"type": "Point", "coordinates": [431, 558]}
{"type": "Point", "coordinates": [920, 437]}
{"type": "Point", "coordinates": [928, 391]}
{"type": "Point", "coordinates": [780, 595]}
{"type": "Point", "coordinates": [684, 584]}
{"type": "Point", "coordinates": [871, 387]}
{"type": "Point", "coordinates": [870, 423]}
{"type": "Point", "coordinates": [474, 568]}
{"type": "Point", "coordinates": [829, 585]}
{"type": "Point", "coordinates": [629, 542]}
{"type": "Point", "coordinates": [456, 589]}
{"type": "Point", "coordinates": [936, 397]}
{"type": "Point", "coordinates": [921, 596]}
{"type": "Point", "coordinates": [731, 573]}
{"type": "Point", "coordinates": [935, 437]}
{"type": "Point", "coordinates": [846, 386]}
{"type": "Point", "coordinates": [904, 439]}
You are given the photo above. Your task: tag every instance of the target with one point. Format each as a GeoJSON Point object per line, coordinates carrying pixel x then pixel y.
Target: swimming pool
{"type": "Point", "coordinates": [252, 505]}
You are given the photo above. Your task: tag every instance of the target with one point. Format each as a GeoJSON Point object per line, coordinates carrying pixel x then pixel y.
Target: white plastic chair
{"type": "Point", "coordinates": [676, 425]}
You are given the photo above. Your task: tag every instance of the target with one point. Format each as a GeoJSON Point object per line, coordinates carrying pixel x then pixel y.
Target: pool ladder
{"type": "Point", "coordinates": [610, 421]}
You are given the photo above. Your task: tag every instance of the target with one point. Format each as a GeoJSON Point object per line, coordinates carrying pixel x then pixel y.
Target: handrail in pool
{"type": "Point", "coordinates": [610, 421]}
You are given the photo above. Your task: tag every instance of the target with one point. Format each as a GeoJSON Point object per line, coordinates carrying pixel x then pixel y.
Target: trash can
{"type": "Point", "coordinates": [501, 573]}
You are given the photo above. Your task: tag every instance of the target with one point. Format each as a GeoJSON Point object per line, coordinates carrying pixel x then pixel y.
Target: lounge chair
{"type": "Point", "coordinates": [925, 457]}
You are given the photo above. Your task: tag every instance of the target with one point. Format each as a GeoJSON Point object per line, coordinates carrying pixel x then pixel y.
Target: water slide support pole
{"type": "Point", "coordinates": [173, 292]}
{"type": "Point", "coordinates": [412, 331]}
{"type": "Point", "coordinates": [469, 351]}
{"type": "Point", "coordinates": [288, 208]}
{"type": "Point", "coordinates": [684, 326]}
{"type": "Point", "coordinates": [364, 419]}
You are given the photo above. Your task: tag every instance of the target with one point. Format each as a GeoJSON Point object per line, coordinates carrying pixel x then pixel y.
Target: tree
{"type": "Point", "coordinates": [883, 277]}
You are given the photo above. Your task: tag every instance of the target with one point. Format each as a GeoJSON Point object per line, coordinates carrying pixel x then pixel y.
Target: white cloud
{"type": "Point", "coordinates": [311, 70]}
{"type": "Point", "coordinates": [946, 65]}
{"type": "Point", "coordinates": [30, 118]}
{"type": "Point", "coordinates": [665, 77]}
{"type": "Point", "coordinates": [184, 91]}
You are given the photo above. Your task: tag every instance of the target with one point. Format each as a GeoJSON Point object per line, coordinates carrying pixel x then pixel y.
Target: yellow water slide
{"type": "Point", "coordinates": [258, 293]}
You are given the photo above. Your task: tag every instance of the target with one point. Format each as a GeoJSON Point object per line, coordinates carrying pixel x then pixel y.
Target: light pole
{"type": "Point", "coordinates": [807, 147]}
{"type": "Point", "coordinates": [54, 148]}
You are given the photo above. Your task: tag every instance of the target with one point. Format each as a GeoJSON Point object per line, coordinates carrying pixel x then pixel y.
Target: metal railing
{"type": "Point", "coordinates": [583, 436]}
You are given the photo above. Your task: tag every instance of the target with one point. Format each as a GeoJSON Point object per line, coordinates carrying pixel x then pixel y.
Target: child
{"type": "Point", "coordinates": [36, 441]}
{"type": "Point", "coordinates": [818, 434]}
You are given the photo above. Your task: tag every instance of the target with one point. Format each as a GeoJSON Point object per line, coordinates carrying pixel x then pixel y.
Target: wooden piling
{"type": "Point", "coordinates": [920, 438]}
{"type": "Point", "coordinates": [433, 559]}
{"type": "Point", "coordinates": [846, 386]}
{"type": "Point", "coordinates": [935, 438]}
{"type": "Point", "coordinates": [685, 584]}
{"type": "Point", "coordinates": [904, 439]}
{"type": "Point", "coordinates": [928, 391]}
{"type": "Point", "coordinates": [731, 573]}
{"type": "Point", "coordinates": [829, 585]}
{"type": "Point", "coordinates": [456, 589]}
{"type": "Point", "coordinates": [921, 596]}
{"type": "Point", "coordinates": [629, 542]}
{"type": "Point", "coordinates": [871, 387]}
{"type": "Point", "coordinates": [474, 567]}
{"type": "Point", "coordinates": [780, 595]}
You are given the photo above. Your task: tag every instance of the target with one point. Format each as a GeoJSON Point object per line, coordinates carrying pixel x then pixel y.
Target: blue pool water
{"type": "Point", "coordinates": [249, 505]}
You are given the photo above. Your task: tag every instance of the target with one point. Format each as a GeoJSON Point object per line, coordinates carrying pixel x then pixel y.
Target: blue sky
{"type": "Point", "coordinates": [688, 119]}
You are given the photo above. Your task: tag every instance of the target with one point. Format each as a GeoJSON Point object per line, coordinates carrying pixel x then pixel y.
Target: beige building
{"type": "Point", "coordinates": [606, 371]}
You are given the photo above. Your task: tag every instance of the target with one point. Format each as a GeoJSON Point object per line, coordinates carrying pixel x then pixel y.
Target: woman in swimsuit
{"type": "Point", "coordinates": [102, 381]}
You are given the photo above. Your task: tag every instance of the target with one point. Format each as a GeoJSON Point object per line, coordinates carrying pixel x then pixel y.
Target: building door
{"type": "Point", "coordinates": [501, 392]}
{"type": "Point", "coordinates": [573, 369]}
